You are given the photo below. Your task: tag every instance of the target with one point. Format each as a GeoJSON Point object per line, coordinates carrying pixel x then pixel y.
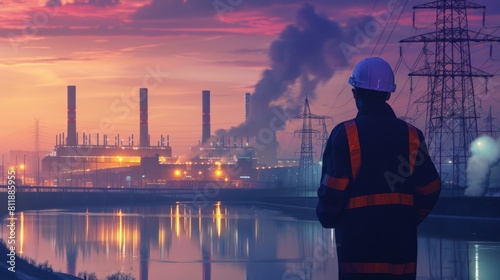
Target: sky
{"type": "Point", "coordinates": [109, 49]}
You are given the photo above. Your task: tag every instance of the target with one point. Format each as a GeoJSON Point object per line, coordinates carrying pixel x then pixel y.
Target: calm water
{"type": "Point", "coordinates": [217, 242]}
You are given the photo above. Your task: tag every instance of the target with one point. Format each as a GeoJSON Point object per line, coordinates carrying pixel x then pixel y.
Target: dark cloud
{"type": "Point", "coordinates": [304, 54]}
{"type": "Point", "coordinates": [98, 3]}
{"type": "Point", "coordinates": [161, 9]}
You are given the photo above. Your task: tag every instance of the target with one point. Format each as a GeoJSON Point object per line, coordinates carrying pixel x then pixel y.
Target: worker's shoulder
{"type": "Point", "coordinates": [413, 127]}
{"type": "Point", "coordinates": [341, 125]}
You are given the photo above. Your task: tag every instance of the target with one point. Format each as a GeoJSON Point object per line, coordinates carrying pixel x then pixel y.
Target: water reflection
{"type": "Point", "coordinates": [217, 242]}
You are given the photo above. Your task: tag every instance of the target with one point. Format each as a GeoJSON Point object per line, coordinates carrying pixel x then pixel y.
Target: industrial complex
{"type": "Point", "coordinates": [88, 160]}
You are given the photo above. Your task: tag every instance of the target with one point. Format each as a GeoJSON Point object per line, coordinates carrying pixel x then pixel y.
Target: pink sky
{"type": "Point", "coordinates": [109, 49]}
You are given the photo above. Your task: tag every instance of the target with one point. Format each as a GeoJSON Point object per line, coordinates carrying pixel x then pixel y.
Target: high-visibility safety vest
{"type": "Point", "coordinates": [378, 183]}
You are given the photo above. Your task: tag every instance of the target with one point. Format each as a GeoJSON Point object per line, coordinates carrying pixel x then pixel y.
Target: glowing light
{"type": "Point", "coordinates": [120, 159]}
{"type": "Point", "coordinates": [225, 179]}
{"type": "Point", "coordinates": [486, 147]}
{"type": "Point", "coordinates": [120, 239]}
{"type": "Point", "coordinates": [177, 172]}
{"type": "Point", "coordinates": [218, 218]}
{"type": "Point", "coordinates": [22, 234]}
{"type": "Point", "coordinates": [177, 221]}
{"type": "Point", "coordinates": [21, 166]}
{"type": "Point", "coordinates": [218, 173]}
{"type": "Point", "coordinates": [476, 259]}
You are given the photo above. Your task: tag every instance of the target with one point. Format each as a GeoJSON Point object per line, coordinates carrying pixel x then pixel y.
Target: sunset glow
{"type": "Point", "coordinates": [108, 49]}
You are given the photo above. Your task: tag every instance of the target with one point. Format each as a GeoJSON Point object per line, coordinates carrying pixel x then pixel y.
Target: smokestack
{"type": "Point", "coordinates": [247, 105]}
{"type": "Point", "coordinates": [144, 135]}
{"type": "Point", "coordinates": [205, 134]}
{"type": "Point", "coordinates": [71, 116]}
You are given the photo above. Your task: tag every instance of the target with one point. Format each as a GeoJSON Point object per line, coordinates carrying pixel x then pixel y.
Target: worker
{"type": "Point", "coordinates": [378, 182]}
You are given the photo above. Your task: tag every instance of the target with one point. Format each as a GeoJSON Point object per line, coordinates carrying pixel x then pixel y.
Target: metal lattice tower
{"type": "Point", "coordinates": [451, 104]}
{"type": "Point", "coordinates": [307, 177]}
{"type": "Point", "coordinates": [324, 135]}
{"type": "Point", "coordinates": [489, 128]}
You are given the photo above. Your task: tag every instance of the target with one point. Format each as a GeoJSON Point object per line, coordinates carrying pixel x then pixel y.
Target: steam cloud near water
{"type": "Point", "coordinates": [485, 155]}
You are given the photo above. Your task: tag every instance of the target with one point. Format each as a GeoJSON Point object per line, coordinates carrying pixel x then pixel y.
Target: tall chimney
{"type": "Point", "coordinates": [205, 134]}
{"type": "Point", "coordinates": [144, 134]}
{"type": "Point", "coordinates": [247, 104]}
{"type": "Point", "coordinates": [72, 141]}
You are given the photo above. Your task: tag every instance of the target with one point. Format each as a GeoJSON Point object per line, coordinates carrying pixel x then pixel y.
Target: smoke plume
{"type": "Point", "coordinates": [485, 154]}
{"type": "Point", "coordinates": [305, 54]}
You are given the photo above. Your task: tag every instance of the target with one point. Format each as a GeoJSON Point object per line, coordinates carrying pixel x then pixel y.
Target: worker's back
{"type": "Point", "coordinates": [376, 229]}
{"type": "Point", "coordinates": [378, 184]}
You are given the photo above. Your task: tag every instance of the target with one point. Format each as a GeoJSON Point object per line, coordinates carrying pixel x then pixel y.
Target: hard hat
{"type": "Point", "coordinates": [373, 73]}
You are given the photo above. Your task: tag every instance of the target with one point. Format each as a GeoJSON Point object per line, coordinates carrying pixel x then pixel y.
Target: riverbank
{"type": "Point", "coordinates": [24, 270]}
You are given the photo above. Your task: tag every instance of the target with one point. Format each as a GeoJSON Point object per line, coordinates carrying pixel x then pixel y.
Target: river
{"type": "Point", "coordinates": [219, 241]}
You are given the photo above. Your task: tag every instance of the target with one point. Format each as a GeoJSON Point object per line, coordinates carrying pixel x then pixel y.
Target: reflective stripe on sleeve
{"type": "Point", "coordinates": [354, 148]}
{"type": "Point", "coordinates": [335, 183]}
{"type": "Point", "coordinates": [414, 146]}
{"type": "Point", "coordinates": [388, 268]}
{"type": "Point", "coordinates": [433, 186]}
{"type": "Point", "coordinates": [380, 199]}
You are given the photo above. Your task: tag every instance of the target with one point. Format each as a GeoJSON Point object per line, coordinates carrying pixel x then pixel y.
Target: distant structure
{"type": "Point", "coordinates": [70, 160]}
{"type": "Point", "coordinates": [451, 103]}
{"type": "Point", "coordinates": [248, 95]}
{"type": "Point", "coordinates": [489, 128]}
{"type": "Point", "coordinates": [307, 177]}
{"type": "Point", "coordinates": [205, 133]}
{"type": "Point", "coordinates": [144, 134]}
{"type": "Point", "coordinates": [72, 139]}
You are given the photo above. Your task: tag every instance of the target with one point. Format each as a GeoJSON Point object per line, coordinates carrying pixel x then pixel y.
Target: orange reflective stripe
{"type": "Point", "coordinates": [433, 186]}
{"type": "Point", "coordinates": [380, 199]}
{"type": "Point", "coordinates": [388, 268]}
{"type": "Point", "coordinates": [354, 148]}
{"type": "Point", "coordinates": [414, 146]}
{"type": "Point", "coordinates": [335, 183]}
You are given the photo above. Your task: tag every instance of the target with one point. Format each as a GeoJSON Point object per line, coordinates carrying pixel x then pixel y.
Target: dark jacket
{"type": "Point", "coordinates": [378, 184]}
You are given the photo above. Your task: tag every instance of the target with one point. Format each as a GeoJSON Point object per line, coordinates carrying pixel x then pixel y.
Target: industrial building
{"type": "Point", "coordinates": [97, 161]}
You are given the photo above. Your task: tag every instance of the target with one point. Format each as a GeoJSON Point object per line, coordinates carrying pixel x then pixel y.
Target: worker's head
{"type": "Point", "coordinates": [373, 81]}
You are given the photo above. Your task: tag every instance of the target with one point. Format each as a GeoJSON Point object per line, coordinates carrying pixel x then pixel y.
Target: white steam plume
{"type": "Point", "coordinates": [485, 154]}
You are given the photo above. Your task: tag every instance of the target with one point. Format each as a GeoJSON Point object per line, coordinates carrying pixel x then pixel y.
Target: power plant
{"type": "Point", "coordinates": [97, 161]}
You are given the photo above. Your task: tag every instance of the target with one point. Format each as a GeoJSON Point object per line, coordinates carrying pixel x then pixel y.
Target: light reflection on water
{"type": "Point", "coordinates": [217, 242]}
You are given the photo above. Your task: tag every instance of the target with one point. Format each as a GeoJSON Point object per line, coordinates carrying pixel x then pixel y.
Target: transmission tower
{"type": "Point", "coordinates": [451, 104]}
{"type": "Point", "coordinates": [489, 128]}
{"type": "Point", "coordinates": [324, 135]}
{"type": "Point", "coordinates": [307, 177]}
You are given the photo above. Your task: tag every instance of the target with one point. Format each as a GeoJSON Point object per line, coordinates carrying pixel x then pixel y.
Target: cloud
{"type": "Point", "coordinates": [249, 51]}
{"type": "Point", "coordinates": [97, 3]}
{"type": "Point", "coordinates": [304, 54]}
{"type": "Point", "coordinates": [242, 63]}
{"type": "Point", "coordinates": [161, 9]}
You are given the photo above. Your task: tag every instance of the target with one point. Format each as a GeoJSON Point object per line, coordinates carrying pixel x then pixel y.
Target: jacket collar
{"type": "Point", "coordinates": [381, 108]}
